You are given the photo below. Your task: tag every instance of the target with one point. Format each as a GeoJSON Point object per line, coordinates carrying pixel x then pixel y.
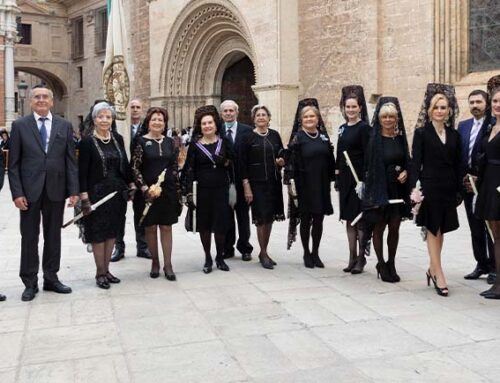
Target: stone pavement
{"type": "Point", "coordinates": [249, 325]}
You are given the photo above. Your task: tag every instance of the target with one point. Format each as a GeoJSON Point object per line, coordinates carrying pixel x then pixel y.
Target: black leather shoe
{"type": "Point", "coordinates": [491, 295]}
{"type": "Point", "coordinates": [102, 282]}
{"type": "Point", "coordinates": [117, 255]}
{"type": "Point", "coordinates": [492, 278]}
{"type": "Point", "coordinates": [246, 257]}
{"type": "Point", "coordinates": [144, 254]}
{"type": "Point", "coordinates": [29, 293]}
{"type": "Point", "coordinates": [56, 287]}
{"type": "Point", "coordinates": [221, 265]}
{"type": "Point", "coordinates": [2, 297]}
{"type": "Point", "coordinates": [170, 275]}
{"type": "Point", "coordinates": [476, 273]}
{"type": "Point", "coordinates": [266, 262]}
{"type": "Point", "coordinates": [111, 278]}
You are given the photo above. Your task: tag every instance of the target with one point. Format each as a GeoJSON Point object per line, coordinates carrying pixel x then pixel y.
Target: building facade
{"type": "Point", "coordinates": [186, 53]}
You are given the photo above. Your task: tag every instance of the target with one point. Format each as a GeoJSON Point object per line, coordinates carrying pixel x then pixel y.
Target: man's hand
{"type": "Point", "coordinates": [21, 203]}
{"type": "Point", "coordinates": [73, 200]}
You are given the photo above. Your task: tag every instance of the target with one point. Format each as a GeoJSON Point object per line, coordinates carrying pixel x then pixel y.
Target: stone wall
{"type": "Point", "coordinates": [385, 46]}
{"type": "Point", "coordinates": [2, 83]}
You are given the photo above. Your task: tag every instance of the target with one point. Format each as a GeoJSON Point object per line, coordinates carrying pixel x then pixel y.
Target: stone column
{"type": "Point", "coordinates": [10, 106]}
{"type": "Point", "coordinates": [8, 29]}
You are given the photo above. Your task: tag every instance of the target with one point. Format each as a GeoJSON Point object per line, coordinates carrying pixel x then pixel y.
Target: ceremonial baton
{"type": "Point", "coordinates": [351, 166]}
{"type": "Point", "coordinates": [195, 201]}
{"type": "Point", "coordinates": [474, 189]}
{"type": "Point", "coordinates": [93, 207]}
{"type": "Point", "coordinates": [391, 202]}
{"type": "Point", "coordinates": [293, 192]}
{"type": "Point", "coordinates": [156, 189]}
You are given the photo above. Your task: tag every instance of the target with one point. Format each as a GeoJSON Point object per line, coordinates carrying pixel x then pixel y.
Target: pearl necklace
{"type": "Point", "coordinates": [103, 140]}
{"type": "Point", "coordinates": [262, 134]}
{"type": "Point", "coordinates": [310, 135]}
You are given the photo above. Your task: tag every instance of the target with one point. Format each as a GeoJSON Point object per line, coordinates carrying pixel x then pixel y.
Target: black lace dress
{"type": "Point", "coordinates": [149, 159]}
{"type": "Point", "coordinates": [106, 167]}
{"type": "Point", "coordinates": [257, 159]}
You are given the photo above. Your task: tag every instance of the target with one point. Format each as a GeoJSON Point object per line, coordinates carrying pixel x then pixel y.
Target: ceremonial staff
{"type": "Point", "coordinates": [293, 193]}
{"type": "Point", "coordinates": [154, 191]}
{"type": "Point", "coordinates": [92, 207]}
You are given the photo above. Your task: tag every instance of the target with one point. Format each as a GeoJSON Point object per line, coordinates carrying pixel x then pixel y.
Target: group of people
{"type": "Point", "coordinates": [231, 168]}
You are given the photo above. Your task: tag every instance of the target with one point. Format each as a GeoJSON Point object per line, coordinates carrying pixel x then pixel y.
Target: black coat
{"type": "Point", "coordinates": [2, 169]}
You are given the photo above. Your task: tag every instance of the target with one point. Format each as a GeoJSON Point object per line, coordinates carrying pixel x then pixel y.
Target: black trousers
{"type": "Point", "coordinates": [482, 246]}
{"type": "Point", "coordinates": [140, 238]}
{"type": "Point", "coordinates": [51, 213]}
{"type": "Point", "coordinates": [241, 210]}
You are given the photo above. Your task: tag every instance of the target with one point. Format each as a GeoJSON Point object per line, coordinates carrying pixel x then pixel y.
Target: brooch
{"type": "Point", "coordinates": [149, 143]}
{"type": "Point", "coordinates": [323, 137]}
{"type": "Point", "coordinates": [341, 130]}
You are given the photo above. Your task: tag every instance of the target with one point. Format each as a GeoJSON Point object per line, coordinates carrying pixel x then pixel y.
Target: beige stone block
{"type": "Point", "coordinates": [196, 362]}
{"type": "Point", "coordinates": [73, 342]}
{"type": "Point", "coordinates": [252, 320]}
{"type": "Point", "coordinates": [311, 313]}
{"type": "Point", "coordinates": [8, 376]}
{"type": "Point", "coordinates": [305, 349]}
{"type": "Point", "coordinates": [370, 339]}
{"type": "Point", "coordinates": [12, 344]}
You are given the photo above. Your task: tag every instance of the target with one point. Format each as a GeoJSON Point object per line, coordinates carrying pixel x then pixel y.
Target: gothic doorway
{"type": "Point", "coordinates": [237, 84]}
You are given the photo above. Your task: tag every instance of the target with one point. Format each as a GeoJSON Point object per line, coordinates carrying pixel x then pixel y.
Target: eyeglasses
{"type": "Point", "coordinates": [41, 97]}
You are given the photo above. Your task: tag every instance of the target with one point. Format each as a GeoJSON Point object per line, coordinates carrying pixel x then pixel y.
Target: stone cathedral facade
{"type": "Point", "coordinates": [186, 53]}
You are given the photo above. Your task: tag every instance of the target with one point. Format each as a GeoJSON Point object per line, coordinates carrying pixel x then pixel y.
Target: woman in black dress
{"type": "Point", "coordinates": [436, 163]}
{"type": "Point", "coordinates": [310, 166]}
{"type": "Point", "coordinates": [261, 160]}
{"type": "Point", "coordinates": [488, 200]}
{"type": "Point", "coordinates": [154, 155]}
{"type": "Point", "coordinates": [209, 164]}
{"type": "Point", "coordinates": [103, 169]}
{"type": "Point", "coordinates": [353, 139]}
{"type": "Point", "coordinates": [386, 175]}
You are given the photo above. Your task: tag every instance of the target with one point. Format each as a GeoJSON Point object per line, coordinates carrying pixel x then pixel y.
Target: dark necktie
{"type": "Point", "coordinates": [43, 132]}
{"type": "Point", "coordinates": [229, 135]}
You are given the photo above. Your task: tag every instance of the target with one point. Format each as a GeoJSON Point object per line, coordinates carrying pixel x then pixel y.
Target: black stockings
{"type": "Point", "coordinates": [263, 234]}
{"type": "Point", "coordinates": [392, 239]}
{"type": "Point", "coordinates": [311, 225]}
{"type": "Point", "coordinates": [206, 241]}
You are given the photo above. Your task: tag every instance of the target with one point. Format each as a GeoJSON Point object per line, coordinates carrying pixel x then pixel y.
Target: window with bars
{"type": "Point", "coordinates": [77, 38]}
{"type": "Point", "coordinates": [484, 32]}
{"type": "Point", "coordinates": [101, 29]}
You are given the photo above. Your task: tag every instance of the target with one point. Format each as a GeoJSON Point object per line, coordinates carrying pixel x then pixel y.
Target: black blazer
{"type": "Point", "coordinates": [464, 128]}
{"type": "Point", "coordinates": [90, 163]}
{"type": "Point", "coordinates": [438, 166]}
{"type": "Point", "coordinates": [241, 131]}
{"type": "Point", "coordinates": [31, 170]}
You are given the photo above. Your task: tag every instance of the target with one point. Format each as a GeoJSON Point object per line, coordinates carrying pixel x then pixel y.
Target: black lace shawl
{"type": "Point", "coordinates": [375, 193]}
{"type": "Point", "coordinates": [432, 90]}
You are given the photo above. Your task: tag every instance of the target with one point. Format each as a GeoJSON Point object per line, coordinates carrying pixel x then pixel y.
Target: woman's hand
{"type": "Point", "coordinates": [247, 191]}
{"type": "Point", "coordinates": [86, 206]}
{"type": "Point", "coordinates": [280, 162]}
{"type": "Point", "coordinates": [403, 176]}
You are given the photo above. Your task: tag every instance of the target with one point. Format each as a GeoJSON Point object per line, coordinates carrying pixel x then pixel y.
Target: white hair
{"type": "Point", "coordinates": [98, 108]}
{"type": "Point", "coordinates": [229, 103]}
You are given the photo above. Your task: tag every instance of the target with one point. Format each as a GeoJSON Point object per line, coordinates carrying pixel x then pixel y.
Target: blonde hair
{"type": "Point", "coordinates": [434, 100]}
{"type": "Point", "coordinates": [388, 108]}
{"type": "Point", "coordinates": [309, 108]}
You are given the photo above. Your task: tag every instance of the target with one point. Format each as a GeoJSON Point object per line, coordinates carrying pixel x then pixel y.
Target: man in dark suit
{"type": "Point", "coordinates": [471, 131]}
{"type": "Point", "coordinates": [2, 176]}
{"type": "Point", "coordinates": [136, 113]}
{"type": "Point", "coordinates": [42, 174]}
{"type": "Point", "coordinates": [235, 132]}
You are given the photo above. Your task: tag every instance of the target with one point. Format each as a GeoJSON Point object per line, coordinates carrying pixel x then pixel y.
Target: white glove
{"type": "Point", "coordinates": [360, 189]}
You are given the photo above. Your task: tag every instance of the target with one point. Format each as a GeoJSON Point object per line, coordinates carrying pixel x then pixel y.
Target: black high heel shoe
{"type": "Point", "coordinates": [154, 274]}
{"type": "Point", "coordinates": [442, 291]}
{"type": "Point", "coordinates": [111, 278]}
{"type": "Point", "coordinates": [207, 267]}
{"type": "Point", "coordinates": [384, 273]}
{"type": "Point", "coordinates": [317, 261]}
{"type": "Point", "coordinates": [359, 265]}
{"type": "Point", "coordinates": [170, 276]}
{"type": "Point", "coordinates": [308, 261]}
{"type": "Point", "coordinates": [392, 271]}
{"type": "Point", "coordinates": [221, 265]}
{"type": "Point", "coordinates": [350, 265]}
{"type": "Point", "coordinates": [102, 282]}
{"type": "Point", "coordinates": [266, 262]}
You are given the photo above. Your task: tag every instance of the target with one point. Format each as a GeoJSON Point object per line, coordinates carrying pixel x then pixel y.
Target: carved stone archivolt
{"type": "Point", "coordinates": [206, 37]}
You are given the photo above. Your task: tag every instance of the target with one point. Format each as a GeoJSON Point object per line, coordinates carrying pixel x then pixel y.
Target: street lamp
{"type": "Point", "coordinates": [22, 87]}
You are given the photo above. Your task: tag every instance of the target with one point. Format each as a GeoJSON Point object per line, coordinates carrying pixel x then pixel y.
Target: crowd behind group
{"type": "Point", "coordinates": [230, 169]}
